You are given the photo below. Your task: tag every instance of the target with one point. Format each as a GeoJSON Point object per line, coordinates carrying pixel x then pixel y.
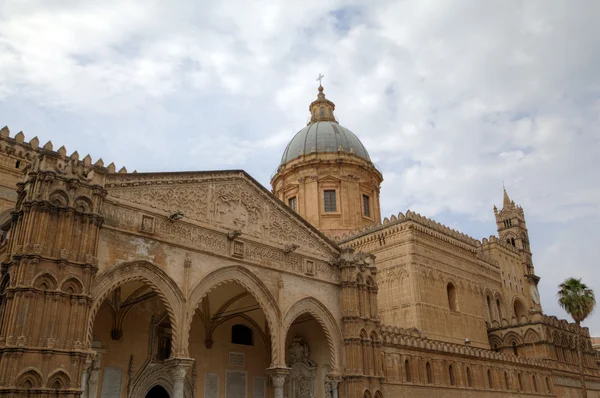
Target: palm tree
{"type": "Point", "coordinates": [579, 302]}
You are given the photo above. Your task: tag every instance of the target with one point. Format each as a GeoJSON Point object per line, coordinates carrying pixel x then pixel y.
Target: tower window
{"type": "Point", "coordinates": [241, 334]}
{"type": "Point", "coordinates": [469, 379]}
{"type": "Point", "coordinates": [428, 371]}
{"type": "Point", "coordinates": [512, 241]}
{"type": "Point", "coordinates": [451, 290]}
{"type": "Point", "coordinates": [490, 380]}
{"type": "Point", "coordinates": [292, 202]}
{"type": "Point", "coordinates": [17, 164]}
{"type": "Point", "coordinates": [366, 206]}
{"type": "Point", "coordinates": [322, 111]}
{"type": "Point", "coordinates": [329, 201]}
{"type": "Point", "coordinates": [451, 375]}
{"type": "Point", "coordinates": [407, 370]}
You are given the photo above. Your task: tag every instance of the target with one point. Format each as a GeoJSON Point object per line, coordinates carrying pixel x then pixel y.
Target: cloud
{"type": "Point", "coordinates": [450, 99]}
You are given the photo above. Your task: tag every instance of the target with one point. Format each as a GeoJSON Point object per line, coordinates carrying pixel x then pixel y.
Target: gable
{"type": "Point", "coordinates": [229, 200]}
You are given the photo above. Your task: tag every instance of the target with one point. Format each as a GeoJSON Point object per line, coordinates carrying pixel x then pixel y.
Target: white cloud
{"type": "Point", "coordinates": [451, 99]}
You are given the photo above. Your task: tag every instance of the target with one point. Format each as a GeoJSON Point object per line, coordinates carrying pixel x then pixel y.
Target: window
{"type": "Point", "coordinates": [548, 389]}
{"type": "Point", "coordinates": [451, 290]}
{"type": "Point", "coordinates": [520, 382]}
{"type": "Point", "coordinates": [292, 203]}
{"type": "Point", "coordinates": [512, 242]}
{"type": "Point", "coordinates": [428, 371]}
{"type": "Point", "coordinates": [499, 308]}
{"type": "Point", "coordinates": [241, 334]}
{"type": "Point", "coordinates": [515, 350]}
{"type": "Point", "coordinates": [534, 383]}
{"type": "Point", "coordinates": [489, 303]}
{"type": "Point", "coordinates": [506, 384]}
{"type": "Point", "coordinates": [469, 379]}
{"type": "Point", "coordinates": [451, 375]}
{"type": "Point", "coordinates": [407, 370]}
{"type": "Point", "coordinates": [329, 202]}
{"type": "Point", "coordinates": [366, 206]}
{"type": "Point", "coordinates": [322, 111]}
{"type": "Point", "coordinates": [17, 164]}
{"type": "Point", "coordinates": [164, 347]}
{"type": "Point", "coordinates": [490, 380]}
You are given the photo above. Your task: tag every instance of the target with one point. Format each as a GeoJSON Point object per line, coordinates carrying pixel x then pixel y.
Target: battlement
{"type": "Point", "coordinates": [412, 338]}
{"type": "Point", "coordinates": [495, 242]}
{"type": "Point", "coordinates": [410, 216]}
{"type": "Point", "coordinates": [27, 151]}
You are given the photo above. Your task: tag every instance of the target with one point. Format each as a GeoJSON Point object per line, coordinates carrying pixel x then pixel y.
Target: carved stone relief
{"type": "Point", "coordinates": [231, 203]}
{"type": "Point", "coordinates": [217, 243]}
{"type": "Point", "coordinates": [303, 370]}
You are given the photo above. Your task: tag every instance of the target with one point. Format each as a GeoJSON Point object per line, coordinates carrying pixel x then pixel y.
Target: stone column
{"type": "Point", "coordinates": [84, 378]}
{"type": "Point", "coordinates": [179, 373]}
{"type": "Point", "coordinates": [278, 376]}
{"type": "Point", "coordinates": [93, 374]}
{"type": "Point", "coordinates": [180, 367]}
{"type": "Point", "coordinates": [331, 385]}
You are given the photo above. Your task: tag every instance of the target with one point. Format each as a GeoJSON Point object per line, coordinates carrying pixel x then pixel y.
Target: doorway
{"type": "Point", "coordinates": [157, 392]}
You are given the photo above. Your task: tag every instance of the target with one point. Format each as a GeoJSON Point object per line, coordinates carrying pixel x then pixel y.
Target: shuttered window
{"type": "Point", "coordinates": [329, 201]}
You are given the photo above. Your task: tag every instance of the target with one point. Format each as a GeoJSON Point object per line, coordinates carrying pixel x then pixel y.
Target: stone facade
{"type": "Point", "coordinates": [205, 284]}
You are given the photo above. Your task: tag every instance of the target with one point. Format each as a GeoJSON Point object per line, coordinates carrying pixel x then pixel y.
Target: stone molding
{"type": "Point", "coordinates": [310, 305]}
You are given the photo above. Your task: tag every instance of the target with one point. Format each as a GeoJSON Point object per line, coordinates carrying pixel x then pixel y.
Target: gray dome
{"type": "Point", "coordinates": [324, 136]}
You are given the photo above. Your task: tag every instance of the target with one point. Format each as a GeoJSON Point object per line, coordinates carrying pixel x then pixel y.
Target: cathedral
{"type": "Point", "coordinates": [206, 284]}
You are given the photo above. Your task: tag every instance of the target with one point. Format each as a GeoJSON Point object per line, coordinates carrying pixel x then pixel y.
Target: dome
{"type": "Point", "coordinates": [324, 137]}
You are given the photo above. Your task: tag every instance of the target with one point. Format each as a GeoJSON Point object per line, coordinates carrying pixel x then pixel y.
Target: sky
{"type": "Point", "coordinates": [452, 99]}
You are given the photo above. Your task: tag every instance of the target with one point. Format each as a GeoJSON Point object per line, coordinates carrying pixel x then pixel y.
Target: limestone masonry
{"type": "Point", "coordinates": [205, 284]}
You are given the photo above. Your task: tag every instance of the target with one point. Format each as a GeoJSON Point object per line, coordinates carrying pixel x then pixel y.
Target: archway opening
{"type": "Point", "coordinates": [230, 341]}
{"type": "Point", "coordinates": [131, 326]}
{"type": "Point", "coordinates": [308, 355]}
{"type": "Point", "coordinates": [519, 309]}
{"type": "Point", "coordinates": [157, 392]}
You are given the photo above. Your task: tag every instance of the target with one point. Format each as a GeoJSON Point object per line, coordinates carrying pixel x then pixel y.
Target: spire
{"type": "Point", "coordinates": [507, 201]}
{"type": "Point", "coordinates": [321, 109]}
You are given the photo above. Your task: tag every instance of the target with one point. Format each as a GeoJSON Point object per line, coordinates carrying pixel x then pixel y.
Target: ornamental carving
{"type": "Point", "coordinates": [303, 370]}
{"type": "Point", "coordinates": [223, 201]}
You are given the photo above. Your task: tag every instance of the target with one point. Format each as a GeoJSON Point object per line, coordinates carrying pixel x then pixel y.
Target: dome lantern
{"type": "Point", "coordinates": [321, 109]}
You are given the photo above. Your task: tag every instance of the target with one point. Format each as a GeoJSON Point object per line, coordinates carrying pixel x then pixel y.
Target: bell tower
{"type": "Point", "coordinates": [512, 229]}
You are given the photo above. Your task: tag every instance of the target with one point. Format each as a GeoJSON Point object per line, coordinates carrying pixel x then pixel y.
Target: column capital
{"type": "Point", "coordinates": [278, 375]}
{"type": "Point", "coordinates": [180, 366]}
{"type": "Point", "coordinates": [181, 362]}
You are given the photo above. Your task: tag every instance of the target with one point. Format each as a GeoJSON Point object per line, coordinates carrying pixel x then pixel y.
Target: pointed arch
{"type": "Point", "coordinates": [512, 337]}
{"type": "Point", "coordinates": [30, 378]}
{"type": "Point", "coordinates": [519, 308]}
{"type": "Point", "coordinates": [72, 285]}
{"type": "Point", "coordinates": [531, 336]}
{"type": "Point", "coordinates": [58, 379]}
{"type": "Point", "coordinates": [142, 271]}
{"type": "Point", "coordinates": [254, 286]}
{"type": "Point", "coordinates": [325, 319]}
{"type": "Point", "coordinates": [45, 281]}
